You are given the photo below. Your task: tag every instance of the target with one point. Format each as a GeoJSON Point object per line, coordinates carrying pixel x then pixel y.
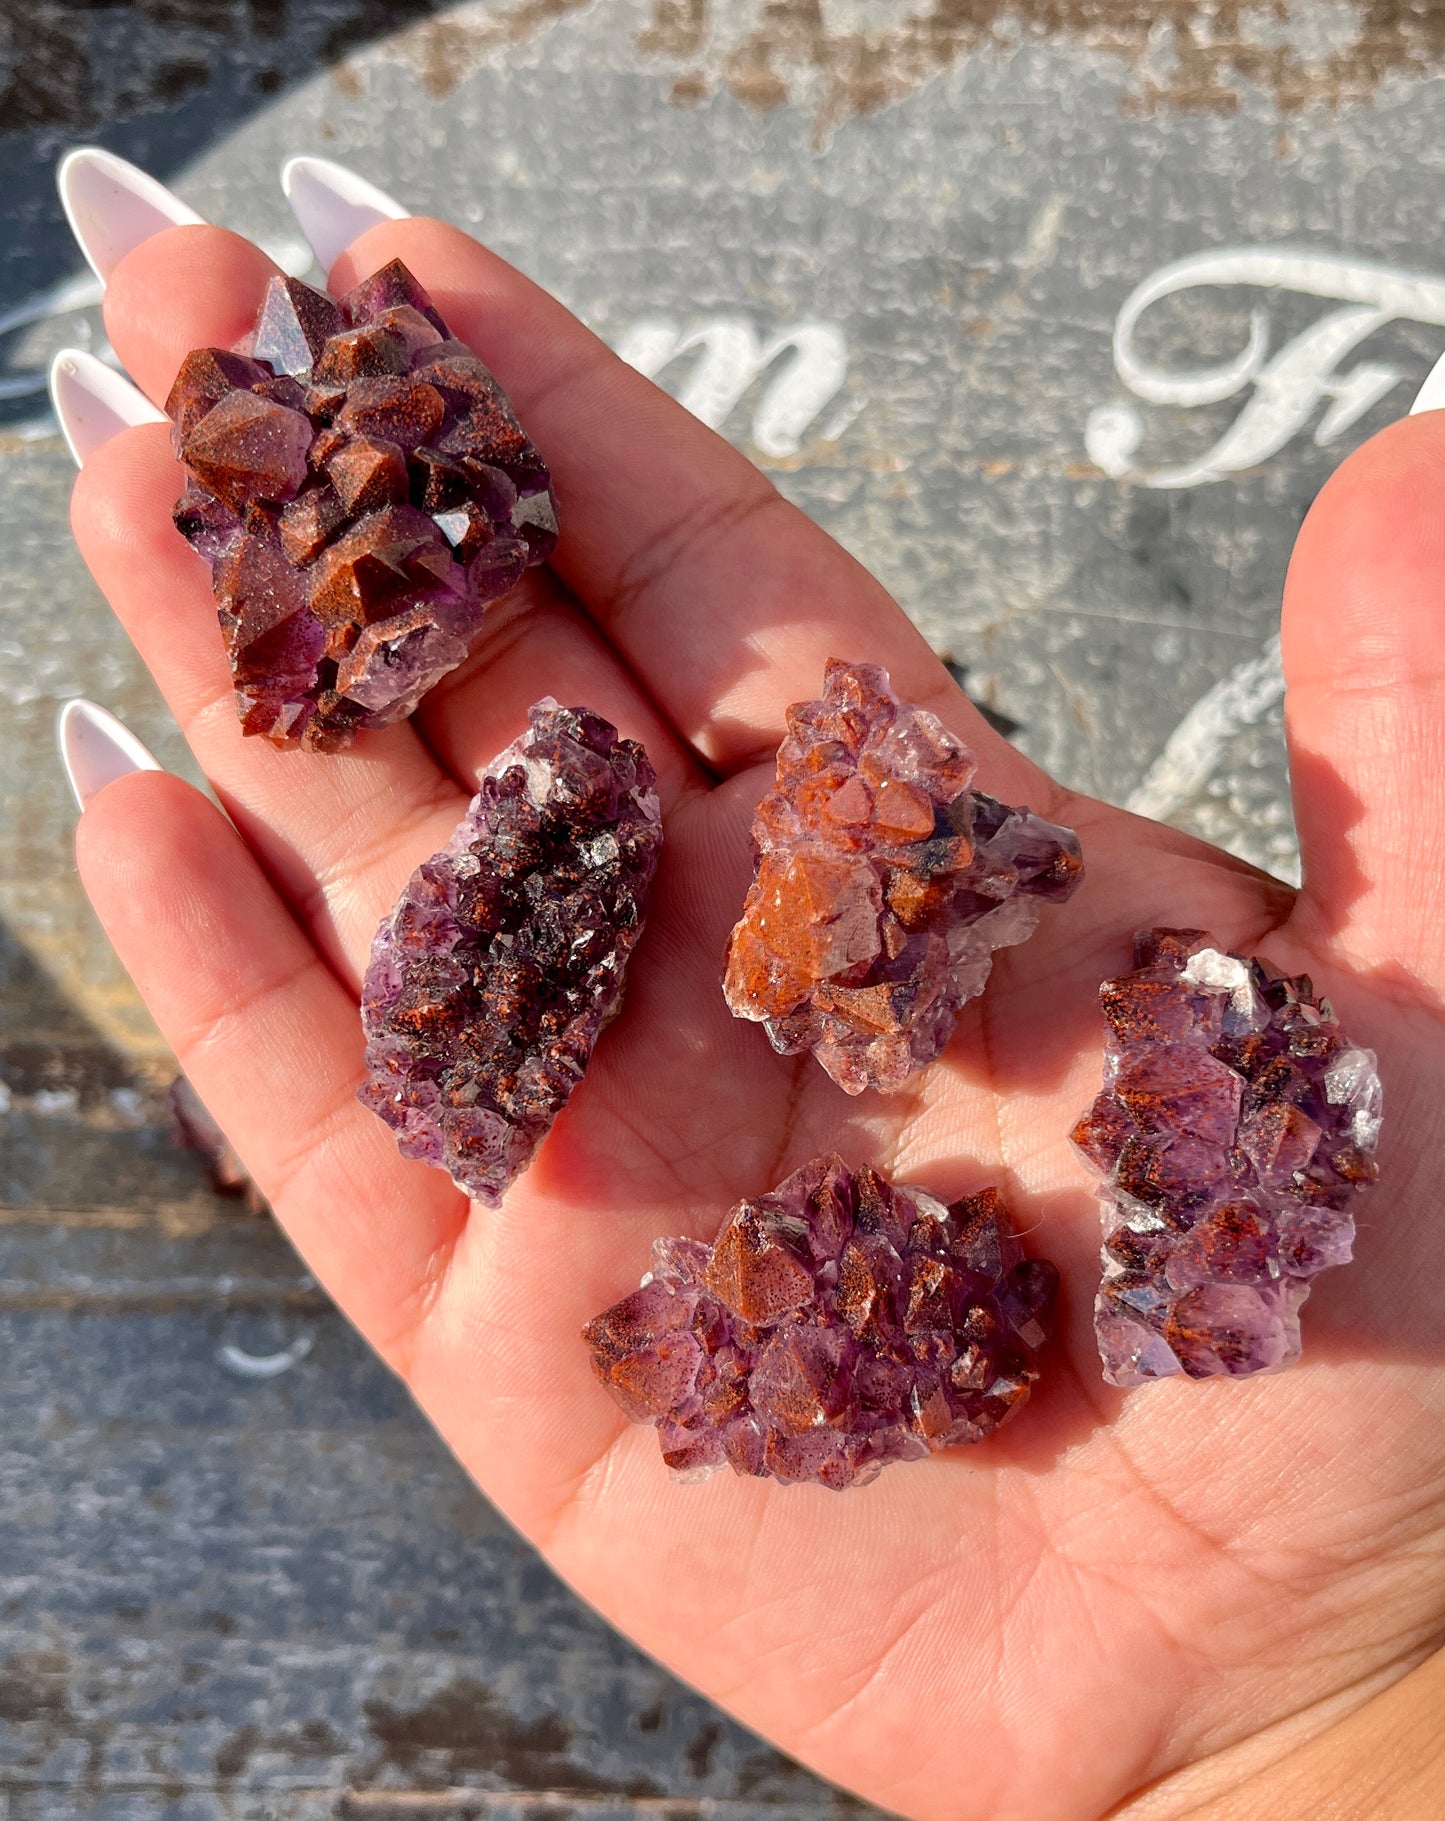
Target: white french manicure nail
{"type": "Point", "coordinates": [113, 206]}
{"type": "Point", "coordinates": [94, 402]}
{"type": "Point", "coordinates": [1431, 396]}
{"type": "Point", "coordinates": [334, 205]}
{"type": "Point", "coordinates": [96, 749]}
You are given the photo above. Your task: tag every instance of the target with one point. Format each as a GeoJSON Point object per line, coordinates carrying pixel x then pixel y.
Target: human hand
{"type": "Point", "coordinates": [1165, 1589]}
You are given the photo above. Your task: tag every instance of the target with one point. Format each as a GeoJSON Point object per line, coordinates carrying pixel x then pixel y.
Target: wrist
{"type": "Point", "coordinates": [1380, 1759]}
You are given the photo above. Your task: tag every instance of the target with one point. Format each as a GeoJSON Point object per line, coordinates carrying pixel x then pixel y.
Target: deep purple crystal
{"type": "Point", "coordinates": [1235, 1130]}
{"type": "Point", "coordinates": [362, 493]}
{"type": "Point", "coordinates": [506, 953]}
{"type": "Point", "coordinates": [883, 885]}
{"type": "Point", "coordinates": [835, 1325]}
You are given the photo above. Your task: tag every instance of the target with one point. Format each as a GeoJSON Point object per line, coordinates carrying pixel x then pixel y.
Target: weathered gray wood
{"type": "Point", "coordinates": [216, 1583]}
{"type": "Point", "coordinates": [231, 1596]}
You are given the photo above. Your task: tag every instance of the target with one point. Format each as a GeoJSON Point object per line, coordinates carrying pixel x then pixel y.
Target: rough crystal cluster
{"type": "Point", "coordinates": [883, 885]}
{"type": "Point", "coordinates": [835, 1325]}
{"type": "Point", "coordinates": [362, 492]}
{"type": "Point", "coordinates": [1235, 1131]}
{"type": "Point", "coordinates": [505, 955]}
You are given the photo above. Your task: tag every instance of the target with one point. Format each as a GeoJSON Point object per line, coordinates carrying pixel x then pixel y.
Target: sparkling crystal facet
{"type": "Point", "coordinates": [883, 885]}
{"type": "Point", "coordinates": [835, 1325]}
{"type": "Point", "coordinates": [506, 953]}
{"type": "Point", "coordinates": [362, 493]}
{"type": "Point", "coordinates": [1234, 1131]}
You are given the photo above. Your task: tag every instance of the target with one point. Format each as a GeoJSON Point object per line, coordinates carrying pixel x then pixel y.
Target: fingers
{"type": "Point", "coordinates": [538, 642]}
{"type": "Point", "coordinates": [337, 836]}
{"type": "Point", "coordinates": [1364, 656]}
{"type": "Point", "coordinates": [113, 206]}
{"type": "Point", "coordinates": [723, 599]}
{"type": "Point", "coordinates": [96, 749]}
{"type": "Point", "coordinates": [183, 288]}
{"type": "Point", "coordinates": [258, 1022]}
{"type": "Point", "coordinates": [333, 205]}
{"type": "Point", "coordinates": [94, 403]}
{"type": "Point", "coordinates": [337, 833]}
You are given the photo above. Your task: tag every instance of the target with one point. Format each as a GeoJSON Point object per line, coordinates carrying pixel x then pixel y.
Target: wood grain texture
{"type": "Point", "coordinates": [231, 1595]}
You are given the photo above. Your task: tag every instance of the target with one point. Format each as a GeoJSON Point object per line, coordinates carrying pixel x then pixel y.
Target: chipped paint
{"type": "Point", "coordinates": [263, 1365]}
{"type": "Point", "coordinates": [842, 61]}
{"type": "Point", "coordinates": [839, 60]}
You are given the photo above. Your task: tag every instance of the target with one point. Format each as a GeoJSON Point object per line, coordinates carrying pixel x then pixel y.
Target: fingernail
{"type": "Point", "coordinates": [1431, 396]}
{"type": "Point", "coordinates": [112, 206]}
{"type": "Point", "coordinates": [96, 749]}
{"type": "Point", "coordinates": [94, 402]}
{"type": "Point", "coordinates": [334, 205]}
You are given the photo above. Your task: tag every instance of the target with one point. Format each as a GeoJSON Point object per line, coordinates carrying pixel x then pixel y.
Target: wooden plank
{"type": "Point", "coordinates": [216, 1582]}
{"type": "Point", "coordinates": [225, 1594]}
{"type": "Point", "coordinates": [240, 1576]}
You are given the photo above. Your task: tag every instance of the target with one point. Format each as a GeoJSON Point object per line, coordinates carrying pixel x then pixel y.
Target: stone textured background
{"type": "Point", "coordinates": [884, 244]}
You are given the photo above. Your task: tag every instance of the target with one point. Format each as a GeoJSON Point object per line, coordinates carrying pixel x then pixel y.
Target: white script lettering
{"type": "Point", "coordinates": [734, 357]}
{"type": "Point", "coordinates": [1286, 388]}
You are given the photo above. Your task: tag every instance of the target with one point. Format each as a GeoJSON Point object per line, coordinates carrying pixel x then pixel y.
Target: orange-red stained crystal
{"type": "Point", "coordinates": [362, 493]}
{"type": "Point", "coordinates": [837, 1324]}
{"type": "Point", "coordinates": [883, 885]}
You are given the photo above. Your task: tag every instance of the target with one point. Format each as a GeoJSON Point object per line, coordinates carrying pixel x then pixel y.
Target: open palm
{"type": "Point", "coordinates": [1113, 1590]}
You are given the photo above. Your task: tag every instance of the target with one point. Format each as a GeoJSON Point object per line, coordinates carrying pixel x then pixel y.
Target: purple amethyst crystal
{"type": "Point", "coordinates": [362, 493]}
{"type": "Point", "coordinates": [1235, 1130]}
{"type": "Point", "coordinates": [506, 953]}
{"type": "Point", "coordinates": [835, 1325]}
{"type": "Point", "coordinates": [883, 885]}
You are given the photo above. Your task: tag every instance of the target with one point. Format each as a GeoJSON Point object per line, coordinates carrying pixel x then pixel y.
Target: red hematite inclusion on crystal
{"type": "Point", "coordinates": [883, 885]}
{"type": "Point", "coordinates": [835, 1325]}
{"type": "Point", "coordinates": [1235, 1130]}
{"type": "Point", "coordinates": [362, 493]}
{"type": "Point", "coordinates": [506, 953]}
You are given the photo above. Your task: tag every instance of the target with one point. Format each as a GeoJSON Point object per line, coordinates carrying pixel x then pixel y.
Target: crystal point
{"type": "Point", "coordinates": [883, 885]}
{"type": "Point", "coordinates": [835, 1325]}
{"type": "Point", "coordinates": [1235, 1129]}
{"type": "Point", "coordinates": [507, 951]}
{"type": "Point", "coordinates": [325, 448]}
{"type": "Point", "coordinates": [294, 326]}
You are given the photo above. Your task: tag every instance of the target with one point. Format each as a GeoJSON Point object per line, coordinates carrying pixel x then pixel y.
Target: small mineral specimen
{"type": "Point", "coordinates": [506, 953]}
{"type": "Point", "coordinates": [362, 494]}
{"type": "Point", "coordinates": [1235, 1130]}
{"type": "Point", "coordinates": [883, 885]}
{"type": "Point", "coordinates": [835, 1325]}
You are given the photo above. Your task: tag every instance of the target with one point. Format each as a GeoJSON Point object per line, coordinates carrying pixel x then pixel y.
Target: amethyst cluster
{"type": "Point", "coordinates": [833, 1326]}
{"type": "Point", "coordinates": [362, 492]}
{"type": "Point", "coordinates": [1235, 1130]}
{"type": "Point", "coordinates": [883, 885]}
{"type": "Point", "coordinates": [506, 954]}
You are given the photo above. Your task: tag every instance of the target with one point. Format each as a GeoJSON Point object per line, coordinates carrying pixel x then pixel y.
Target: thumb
{"type": "Point", "coordinates": [1364, 659]}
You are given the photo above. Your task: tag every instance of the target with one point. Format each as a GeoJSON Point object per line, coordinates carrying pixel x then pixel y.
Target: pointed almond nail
{"type": "Point", "coordinates": [333, 205]}
{"type": "Point", "coordinates": [112, 206]}
{"type": "Point", "coordinates": [94, 402]}
{"type": "Point", "coordinates": [96, 749]}
{"type": "Point", "coordinates": [1431, 396]}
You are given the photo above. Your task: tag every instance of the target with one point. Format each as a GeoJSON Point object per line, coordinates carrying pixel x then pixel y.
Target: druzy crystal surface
{"type": "Point", "coordinates": [506, 953]}
{"type": "Point", "coordinates": [1235, 1130]}
{"type": "Point", "coordinates": [362, 493]}
{"type": "Point", "coordinates": [835, 1325]}
{"type": "Point", "coordinates": [882, 886]}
